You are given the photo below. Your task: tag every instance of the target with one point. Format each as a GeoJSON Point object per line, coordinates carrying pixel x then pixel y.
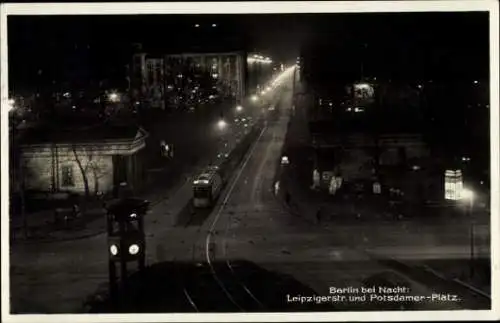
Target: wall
{"type": "Point", "coordinates": [355, 164]}
{"type": "Point", "coordinates": [229, 67]}
{"type": "Point", "coordinates": [39, 173]}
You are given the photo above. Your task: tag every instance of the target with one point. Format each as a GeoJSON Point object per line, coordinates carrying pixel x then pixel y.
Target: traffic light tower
{"type": "Point", "coordinates": [126, 238]}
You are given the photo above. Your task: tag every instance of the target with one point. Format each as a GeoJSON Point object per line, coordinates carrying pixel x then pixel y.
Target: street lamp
{"type": "Point", "coordinates": [468, 196]}
{"type": "Point", "coordinates": [11, 104]}
{"type": "Point", "coordinates": [113, 97]}
{"type": "Point", "coordinates": [254, 98]}
{"type": "Point", "coordinates": [239, 108]}
{"type": "Point", "coordinates": [222, 124]}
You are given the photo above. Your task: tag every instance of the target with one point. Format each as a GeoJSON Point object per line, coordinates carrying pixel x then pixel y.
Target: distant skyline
{"type": "Point", "coordinates": [405, 45]}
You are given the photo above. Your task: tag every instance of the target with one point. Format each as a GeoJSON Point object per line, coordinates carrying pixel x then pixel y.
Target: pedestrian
{"type": "Point", "coordinates": [318, 215]}
{"type": "Point", "coordinates": [76, 211]}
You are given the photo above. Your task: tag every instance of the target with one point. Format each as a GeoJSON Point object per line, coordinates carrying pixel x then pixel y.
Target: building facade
{"type": "Point", "coordinates": [227, 68]}
{"type": "Point", "coordinates": [163, 81]}
{"type": "Point", "coordinates": [98, 164]}
{"type": "Point", "coordinates": [147, 82]}
{"type": "Point", "coordinates": [404, 162]}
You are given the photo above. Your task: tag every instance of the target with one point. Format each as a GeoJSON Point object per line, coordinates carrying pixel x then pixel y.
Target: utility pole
{"type": "Point", "coordinates": [471, 228]}
{"type": "Point", "coordinates": [362, 67]}
{"type": "Point", "coordinates": [23, 202]}
{"type": "Point", "coordinates": [293, 85]}
{"type": "Point", "coordinates": [20, 164]}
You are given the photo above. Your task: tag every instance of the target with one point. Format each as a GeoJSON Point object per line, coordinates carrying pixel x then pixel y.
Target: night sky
{"type": "Point", "coordinates": [404, 46]}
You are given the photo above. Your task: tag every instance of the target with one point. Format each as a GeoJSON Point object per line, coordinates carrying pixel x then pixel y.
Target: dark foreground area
{"type": "Point", "coordinates": [243, 286]}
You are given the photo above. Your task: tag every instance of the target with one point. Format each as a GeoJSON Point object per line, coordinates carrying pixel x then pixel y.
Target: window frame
{"type": "Point", "coordinates": [70, 167]}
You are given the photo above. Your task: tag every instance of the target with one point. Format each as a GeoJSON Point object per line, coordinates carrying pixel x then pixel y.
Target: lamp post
{"type": "Point", "coordinates": [11, 105]}
{"type": "Point", "coordinates": [113, 97]}
{"type": "Point", "coordinates": [468, 196]}
{"type": "Point", "coordinates": [222, 124]}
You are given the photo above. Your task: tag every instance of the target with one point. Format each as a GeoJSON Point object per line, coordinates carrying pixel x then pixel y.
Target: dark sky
{"type": "Point", "coordinates": [411, 45]}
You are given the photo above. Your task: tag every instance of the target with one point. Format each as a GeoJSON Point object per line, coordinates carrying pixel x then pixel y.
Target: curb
{"type": "Point", "coordinates": [464, 284]}
{"type": "Point", "coordinates": [398, 263]}
{"type": "Point", "coordinates": [472, 288]}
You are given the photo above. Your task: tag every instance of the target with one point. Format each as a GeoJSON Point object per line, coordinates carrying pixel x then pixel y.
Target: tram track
{"type": "Point", "coordinates": [413, 273]}
{"type": "Point", "coordinates": [242, 298]}
{"type": "Point", "coordinates": [225, 276]}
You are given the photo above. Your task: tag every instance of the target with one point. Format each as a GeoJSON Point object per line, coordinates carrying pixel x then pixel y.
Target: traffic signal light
{"type": "Point", "coordinates": [128, 247]}
{"type": "Point", "coordinates": [126, 237]}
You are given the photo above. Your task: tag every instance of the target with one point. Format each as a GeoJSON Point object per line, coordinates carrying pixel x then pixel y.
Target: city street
{"type": "Point", "coordinates": [40, 286]}
{"type": "Point", "coordinates": [250, 224]}
{"type": "Point", "coordinates": [260, 161]}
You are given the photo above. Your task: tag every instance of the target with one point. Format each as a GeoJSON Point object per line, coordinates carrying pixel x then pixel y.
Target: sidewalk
{"type": "Point", "coordinates": [160, 184]}
{"type": "Point", "coordinates": [42, 226]}
{"type": "Point", "coordinates": [367, 222]}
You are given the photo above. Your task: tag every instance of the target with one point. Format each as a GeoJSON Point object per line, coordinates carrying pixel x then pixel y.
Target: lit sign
{"type": "Point", "coordinates": [453, 185]}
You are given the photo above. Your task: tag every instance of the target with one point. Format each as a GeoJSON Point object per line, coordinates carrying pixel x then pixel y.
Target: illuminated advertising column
{"type": "Point", "coordinates": [453, 185]}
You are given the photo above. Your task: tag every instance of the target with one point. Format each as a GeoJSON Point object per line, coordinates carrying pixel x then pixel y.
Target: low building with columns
{"type": "Point", "coordinates": [98, 159]}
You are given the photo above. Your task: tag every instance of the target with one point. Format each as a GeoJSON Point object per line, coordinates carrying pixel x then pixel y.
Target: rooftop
{"type": "Point", "coordinates": [87, 134]}
{"type": "Point", "coordinates": [354, 125]}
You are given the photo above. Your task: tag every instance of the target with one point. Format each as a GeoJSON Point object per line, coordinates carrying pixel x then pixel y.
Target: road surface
{"type": "Point", "coordinates": [57, 277]}
{"type": "Point", "coordinates": [250, 224]}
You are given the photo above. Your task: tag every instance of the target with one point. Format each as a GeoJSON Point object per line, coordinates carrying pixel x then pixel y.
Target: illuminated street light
{"type": "Point", "coordinates": [197, 25]}
{"type": "Point", "coordinates": [214, 25]}
{"type": "Point", "coordinates": [11, 103]}
{"type": "Point", "coordinates": [255, 97]}
{"type": "Point", "coordinates": [476, 82]}
{"type": "Point", "coordinates": [239, 108]}
{"type": "Point", "coordinates": [114, 97]}
{"type": "Point", "coordinates": [222, 124]}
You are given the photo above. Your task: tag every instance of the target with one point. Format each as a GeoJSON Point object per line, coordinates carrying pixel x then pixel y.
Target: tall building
{"type": "Point", "coordinates": [227, 68]}
{"type": "Point", "coordinates": [147, 84]}
{"type": "Point", "coordinates": [163, 81]}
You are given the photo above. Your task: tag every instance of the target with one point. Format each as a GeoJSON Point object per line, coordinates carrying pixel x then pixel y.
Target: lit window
{"type": "Point", "coordinates": [67, 175]}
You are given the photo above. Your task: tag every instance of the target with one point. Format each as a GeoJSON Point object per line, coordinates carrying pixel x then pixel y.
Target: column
{"type": "Point", "coordinates": [130, 172]}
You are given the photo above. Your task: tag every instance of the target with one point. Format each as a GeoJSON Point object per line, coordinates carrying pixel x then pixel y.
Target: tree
{"type": "Point", "coordinates": [90, 167]}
